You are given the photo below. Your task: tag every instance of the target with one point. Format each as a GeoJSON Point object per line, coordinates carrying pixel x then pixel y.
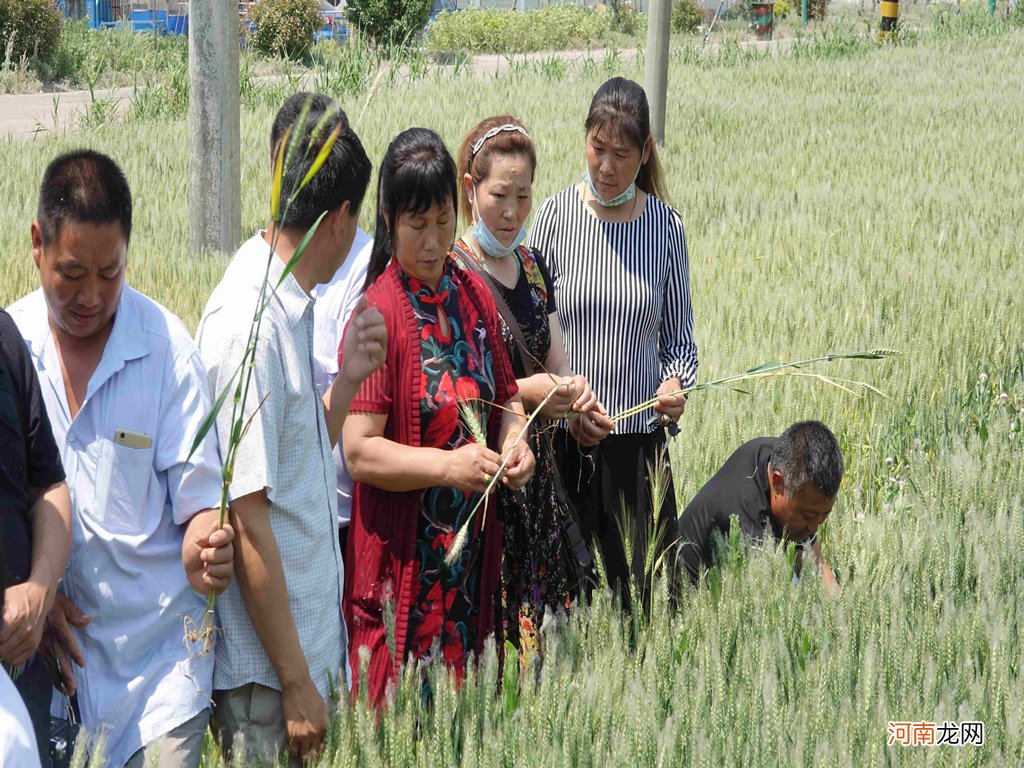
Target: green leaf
{"type": "Point", "coordinates": [322, 123]}
{"type": "Point", "coordinates": [275, 189]}
{"type": "Point", "coordinates": [211, 417]}
{"type": "Point", "coordinates": [298, 132]}
{"type": "Point", "coordinates": [764, 367]}
{"type": "Point", "coordinates": [321, 157]}
{"type": "Point", "coordinates": [303, 244]}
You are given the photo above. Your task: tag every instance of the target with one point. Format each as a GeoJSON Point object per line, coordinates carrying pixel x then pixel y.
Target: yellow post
{"type": "Point", "coordinates": [890, 15]}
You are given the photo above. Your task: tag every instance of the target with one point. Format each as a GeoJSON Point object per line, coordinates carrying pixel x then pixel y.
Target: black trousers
{"type": "Point", "coordinates": [36, 691]}
{"type": "Point", "coordinates": [610, 487]}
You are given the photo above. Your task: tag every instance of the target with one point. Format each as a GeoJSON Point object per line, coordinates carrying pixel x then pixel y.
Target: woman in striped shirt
{"type": "Point", "coordinates": [618, 262]}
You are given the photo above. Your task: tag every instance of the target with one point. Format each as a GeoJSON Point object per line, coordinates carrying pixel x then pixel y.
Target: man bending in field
{"type": "Point", "coordinates": [779, 487]}
{"type": "Point", "coordinates": [126, 393]}
{"type": "Point", "coordinates": [284, 643]}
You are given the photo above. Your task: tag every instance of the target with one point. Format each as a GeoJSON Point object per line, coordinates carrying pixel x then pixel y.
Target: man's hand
{"type": "Point", "coordinates": [208, 553]}
{"type": "Point", "coordinates": [365, 345]}
{"type": "Point", "coordinates": [668, 404]}
{"type": "Point", "coordinates": [305, 718]}
{"type": "Point", "coordinates": [828, 578]}
{"type": "Point", "coordinates": [23, 621]}
{"type": "Point", "coordinates": [520, 466]}
{"type": "Point", "coordinates": [591, 427]}
{"type": "Point", "coordinates": [60, 642]}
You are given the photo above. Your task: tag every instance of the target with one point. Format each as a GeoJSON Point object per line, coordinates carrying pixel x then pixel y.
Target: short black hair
{"type": "Point", "coordinates": [345, 174]}
{"type": "Point", "coordinates": [86, 187]}
{"type": "Point", "coordinates": [808, 452]}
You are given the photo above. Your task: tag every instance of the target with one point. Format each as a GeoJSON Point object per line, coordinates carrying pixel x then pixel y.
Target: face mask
{"type": "Point", "coordinates": [623, 197]}
{"type": "Point", "coordinates": [490, 244]}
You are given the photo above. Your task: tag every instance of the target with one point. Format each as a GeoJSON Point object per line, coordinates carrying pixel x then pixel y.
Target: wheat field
{"type": "Point", "coordinates": [831, 204]}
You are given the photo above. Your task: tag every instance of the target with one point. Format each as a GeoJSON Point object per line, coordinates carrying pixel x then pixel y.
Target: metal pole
{"type": "Point", "coordinates": [214, 168]}
{"type": "Point", "coordinates": [656, 72]}
{"type": "Point", "coordinates": [804, 10]}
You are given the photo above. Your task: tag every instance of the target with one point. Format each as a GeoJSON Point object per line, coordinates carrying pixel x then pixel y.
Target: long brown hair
{"type": "Point", "coordinates": [478, 165]}
{"type": "Point", "coordinates": [620, 108]}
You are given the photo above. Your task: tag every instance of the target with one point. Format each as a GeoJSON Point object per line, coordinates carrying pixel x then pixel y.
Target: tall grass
{"type": "Point", "coordinates": [831, 203]}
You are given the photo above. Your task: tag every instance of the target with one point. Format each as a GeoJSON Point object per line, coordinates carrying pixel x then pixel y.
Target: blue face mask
{"type": "Point", "coordinates": [623, 197]}
{"type": "Point", "coordinates": [490, 244]}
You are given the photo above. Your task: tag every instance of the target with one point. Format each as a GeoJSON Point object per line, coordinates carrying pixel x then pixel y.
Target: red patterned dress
{"type": "Point", "coordinates": [455, 363]}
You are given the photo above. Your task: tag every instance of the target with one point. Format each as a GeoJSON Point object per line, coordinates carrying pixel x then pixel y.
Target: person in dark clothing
{"type": "Point", "coordinates": [35, 522]}
{"type": "Point", "coordinates": [783, 488]}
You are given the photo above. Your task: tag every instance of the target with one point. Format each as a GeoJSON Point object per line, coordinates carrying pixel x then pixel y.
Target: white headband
{"type": "Point", "coordinates": [478, 145]}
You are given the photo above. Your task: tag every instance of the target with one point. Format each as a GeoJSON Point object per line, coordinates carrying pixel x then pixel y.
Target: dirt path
{"type": "Point", "coordinates": [39, 114]}
{"type": "Point", "coordinates": [33, 115]}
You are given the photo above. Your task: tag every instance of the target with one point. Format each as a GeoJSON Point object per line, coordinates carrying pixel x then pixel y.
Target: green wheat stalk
{"type": "Point", "coordinates": [462, 537]}
{"type": "Point", "coordinates": [775, 370]}
{"type": "Point", "coordinates": [201, 637]}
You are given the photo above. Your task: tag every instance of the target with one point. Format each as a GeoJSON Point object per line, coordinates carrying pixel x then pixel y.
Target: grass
{"type": "Point", "coordinates": [832, 202]}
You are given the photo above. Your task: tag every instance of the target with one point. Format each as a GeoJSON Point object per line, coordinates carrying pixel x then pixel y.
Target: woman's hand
{"type": "Point", "coordinates": [521, 464]}
{"type": "Point", "coordinates": [560, 403]}
{"type": "Point", "coordinates": [591, 427]}
{"type": "Point", "coordinates": [668, 404]}
{"type": "Point", "coordinates": [471, 467]}
{"type": "Point", "coordinates": [586, 398]}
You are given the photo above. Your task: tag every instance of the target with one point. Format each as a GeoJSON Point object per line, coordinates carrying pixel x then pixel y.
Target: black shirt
{"type": "Point", "coordinates": [740, 489]}
{"type": "Point", "coordinates": [28, 453]}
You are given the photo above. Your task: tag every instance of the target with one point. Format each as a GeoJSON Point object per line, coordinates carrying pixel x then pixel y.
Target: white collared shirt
{"type": "Point", "coordinates": [287, 453]}
{"type": "Point", "coordinates": [334, 304]}
{"type": "Point", "coordinates": [129, 505]}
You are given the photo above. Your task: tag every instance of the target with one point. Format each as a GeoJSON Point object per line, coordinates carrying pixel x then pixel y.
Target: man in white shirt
{"type": "Point", "coordinates": [284, 643]}
{"type": "Point", "coordinates": [335, 302]}
{"type": "Point", "coordinates": [126, 393]}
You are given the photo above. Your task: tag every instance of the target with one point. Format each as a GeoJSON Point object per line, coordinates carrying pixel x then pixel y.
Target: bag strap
{"type": "Point", "coordinates": [470, 260]}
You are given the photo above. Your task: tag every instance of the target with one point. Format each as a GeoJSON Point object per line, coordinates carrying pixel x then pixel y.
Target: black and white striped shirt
{"type": "Point", "coordinates": [623, 296]}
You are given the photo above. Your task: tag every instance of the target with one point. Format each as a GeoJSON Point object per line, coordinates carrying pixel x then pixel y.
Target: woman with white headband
{"type": "Point", "coordinates": [496, 165]}
{"type": "Point", "coordinates": [618, 262]}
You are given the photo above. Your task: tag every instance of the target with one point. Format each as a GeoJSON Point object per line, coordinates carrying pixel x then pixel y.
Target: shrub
{"type": "Point", "coordinates": [29, 29]}
{"type": "Point", "coordinates": [284, 27]}
{"type": "Point", "coordinates": [1016, 13]}
{"type": "Point", "coordinates": [389, 22]}
{"type": "Point", "coordinates": [687, 16]}
{"type": "Point", "coordinates": [625, 17]}
{"type": "Point", "coordinates": [782, 9]}
{"type": "Point", "coordinates": [504, 31]}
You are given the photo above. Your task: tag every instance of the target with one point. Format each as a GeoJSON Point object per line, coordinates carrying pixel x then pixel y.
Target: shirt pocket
{"type": "Point", "coordinates": [123, 475]}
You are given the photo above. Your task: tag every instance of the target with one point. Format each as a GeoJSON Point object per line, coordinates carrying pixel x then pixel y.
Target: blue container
{"type": "Point", "coordinates": [145, 21]}
{"type": "Point", "coordinates": [178, 25]}
{"type": "Point", "coordinates": [99, 13]}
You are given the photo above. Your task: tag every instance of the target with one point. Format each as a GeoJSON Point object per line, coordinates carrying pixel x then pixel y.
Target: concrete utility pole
{"type": "Point", "coordinates": [659, 19]}
{"type": "Point", "coordinates": [214, 134]}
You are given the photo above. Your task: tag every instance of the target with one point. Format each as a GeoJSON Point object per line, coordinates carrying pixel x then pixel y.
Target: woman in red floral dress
{"type": "Point", "coordinates": [418, 470]}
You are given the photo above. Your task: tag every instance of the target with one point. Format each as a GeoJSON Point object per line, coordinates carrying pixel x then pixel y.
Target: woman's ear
{"type": "Point", "coordinates": [468, 186]}
{"type": "Point", "coordinates": [648, 148]}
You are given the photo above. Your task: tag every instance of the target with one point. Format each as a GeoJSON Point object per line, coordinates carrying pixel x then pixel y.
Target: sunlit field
{"type": "Point", "coordinates": [832, 204]}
